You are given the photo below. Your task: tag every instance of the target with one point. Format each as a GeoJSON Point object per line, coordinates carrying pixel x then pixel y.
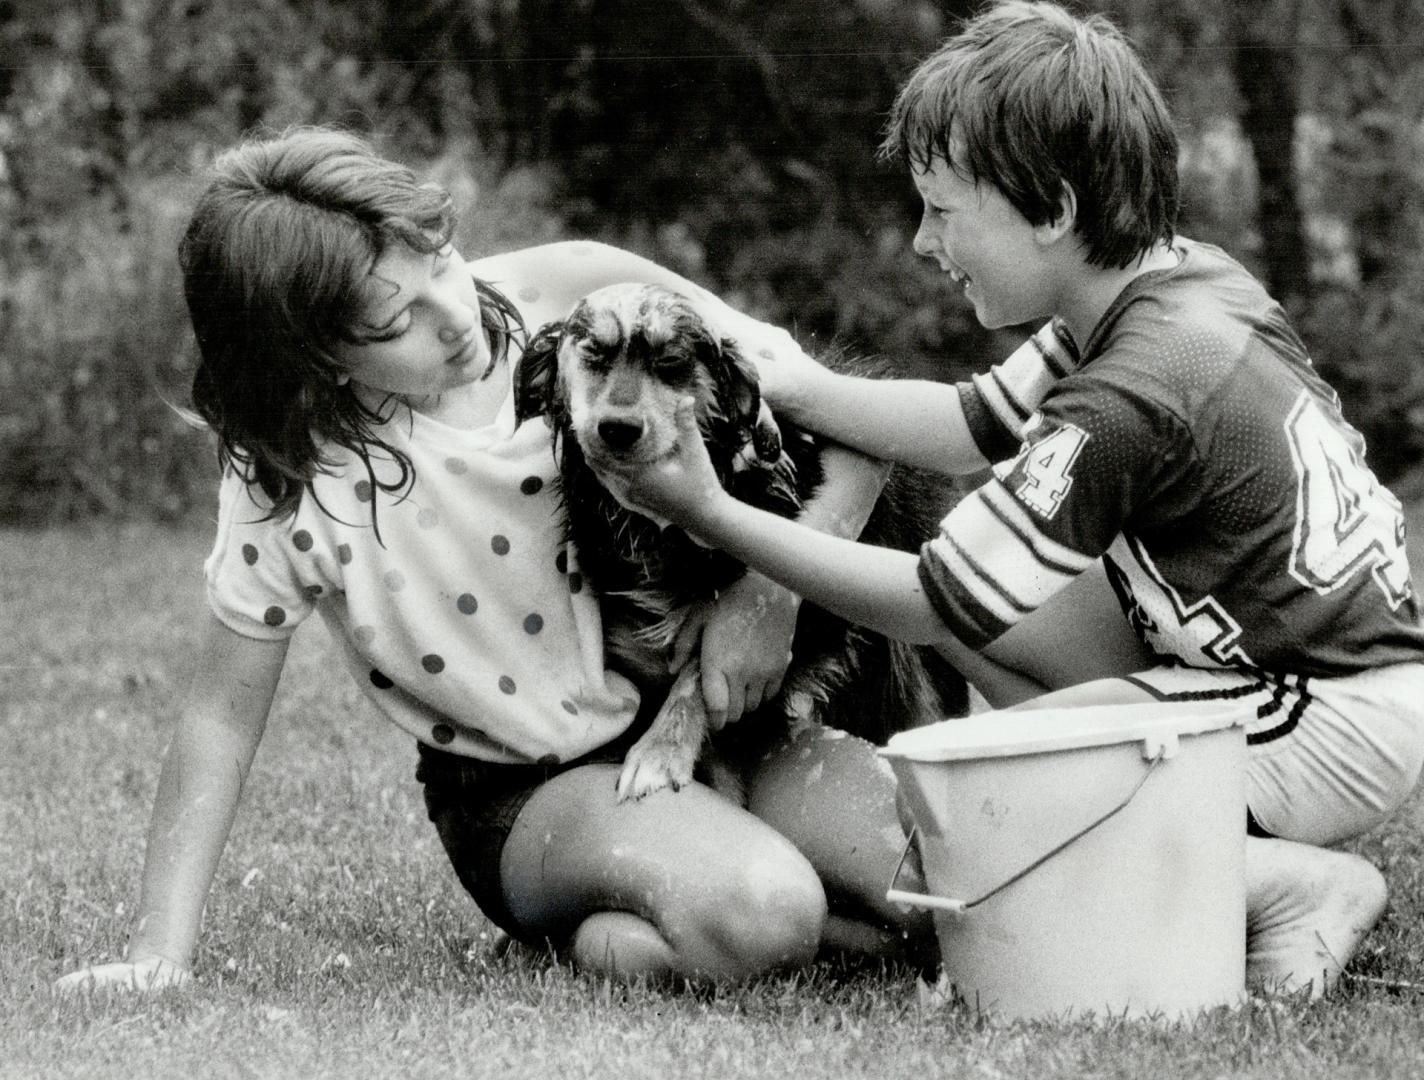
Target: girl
{"type": "Point", "coordinates": [356, 372]}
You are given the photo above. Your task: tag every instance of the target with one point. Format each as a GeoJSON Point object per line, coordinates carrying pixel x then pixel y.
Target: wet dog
{"type": "Point", "coordinates": [608, 379]}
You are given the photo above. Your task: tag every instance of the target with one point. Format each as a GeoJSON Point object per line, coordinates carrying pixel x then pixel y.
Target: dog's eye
{"type": "Point", "coordinates": [595, 357]}
{"type": "Point", "coordinates": [597, 361]}
{"type": "Point", "coordinates": [674, 365]}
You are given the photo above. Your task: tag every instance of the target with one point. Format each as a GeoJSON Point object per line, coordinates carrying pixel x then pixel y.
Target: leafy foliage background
{"type": "Point", "coordinates": [731, 139]}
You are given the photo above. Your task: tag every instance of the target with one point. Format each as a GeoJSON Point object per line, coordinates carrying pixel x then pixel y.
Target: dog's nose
{"type": "Point", "coordinates": [620, 434]}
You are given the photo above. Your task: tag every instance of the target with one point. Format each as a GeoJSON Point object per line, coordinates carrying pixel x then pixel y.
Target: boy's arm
{"type": "Point", "coordinates": [948, 429]}
{"type": "Point", "coordinates": [911, 421]}
{"type": "Point", "coordinates": [218, 732]}
{"type": "Point", "coordinates": [872, 586]}
{"type": "Point", "coordinates": [549, 279]}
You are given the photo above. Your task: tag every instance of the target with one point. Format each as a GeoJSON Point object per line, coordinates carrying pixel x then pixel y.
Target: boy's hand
{"type": "Point", "coordinates": [681, 487]}
{"type": "Point", "coordinates": [141, 976]}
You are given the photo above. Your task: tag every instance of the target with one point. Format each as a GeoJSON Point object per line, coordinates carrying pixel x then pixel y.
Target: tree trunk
{"type": "Point", "coordinates": [1266, 77]}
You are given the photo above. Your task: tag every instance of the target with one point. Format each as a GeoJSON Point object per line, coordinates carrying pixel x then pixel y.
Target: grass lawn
{"type": "Point", "coordinates": [338, 944]}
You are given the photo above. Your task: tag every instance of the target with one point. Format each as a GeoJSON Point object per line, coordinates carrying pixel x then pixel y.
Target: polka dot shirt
{"type": "Point", "coordinates": [466, 623]}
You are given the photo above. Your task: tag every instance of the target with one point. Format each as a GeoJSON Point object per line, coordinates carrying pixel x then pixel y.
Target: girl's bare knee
{"type": "Point", "coordinates": [624, 945]}
{"type": "Point", "coordinates": [767, 915]}
{"type": "Point", "coordinates": [756, 920]}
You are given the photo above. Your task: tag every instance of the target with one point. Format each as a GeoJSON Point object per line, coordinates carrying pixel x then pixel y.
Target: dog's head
{"type": "Point", "coordinates": [610, 377]}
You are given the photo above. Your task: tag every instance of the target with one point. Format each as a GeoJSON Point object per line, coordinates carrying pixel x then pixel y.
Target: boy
{"type": "Point", "coordinates": [1188, 442]}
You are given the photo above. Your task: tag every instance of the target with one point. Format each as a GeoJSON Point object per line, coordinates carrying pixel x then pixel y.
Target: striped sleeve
{"type": "Point", "coordinates": [1100, 449]}
{"type": "Point", "coordinates": [991, 565]}
{"type": "Point", "coordinates": [997, 403]}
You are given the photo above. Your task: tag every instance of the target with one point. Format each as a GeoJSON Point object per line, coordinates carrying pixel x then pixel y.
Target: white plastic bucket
{"type": "Point", "coordinates": [1084, 860]}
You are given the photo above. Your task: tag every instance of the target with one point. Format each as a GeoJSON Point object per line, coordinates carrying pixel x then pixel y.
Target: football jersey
{"type": "Point", "coordinates": [1195, 447]}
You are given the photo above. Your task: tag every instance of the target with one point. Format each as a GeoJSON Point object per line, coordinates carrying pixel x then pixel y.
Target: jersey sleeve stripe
{"type": "Point", "coordinates": [1056, 344]}
{"type": "Point", "coordinates": [1013, 387]}
{"type": "Point", "coordinates": [993, 438]}
{"type": "Point", "coordinates": [968, 620]}
{"type": "Point", "coordinates": [1049, 553]}
{"type": "Point", "coordinates": [1003, 542]}
{"type": "Point", "coordinates": [988, 588]}
{"type": "Point", "coordinates": [984, 573]}
{"type": "Point", "coordinates": [1001, 398]}
{"type": "Point", "coordinates": [994, 560]}
{"type": "Point", "coordinates": [997, 403]}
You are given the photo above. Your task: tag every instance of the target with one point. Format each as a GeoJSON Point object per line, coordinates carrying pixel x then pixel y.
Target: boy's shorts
{"type": "Point", "coordinates": [1329, 757]}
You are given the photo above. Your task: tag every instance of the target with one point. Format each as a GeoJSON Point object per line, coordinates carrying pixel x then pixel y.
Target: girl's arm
{"type": "Point", "coordinates": [219, 728]}
{"type": "Point", "coordinates": [546, 281]}
{"type": "Point", "coordinates": [746, 635]}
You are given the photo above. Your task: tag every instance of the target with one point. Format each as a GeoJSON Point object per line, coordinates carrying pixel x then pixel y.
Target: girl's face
{"type": "Point", "coordinates": [420, 324]}
{"type": "Point", "coordinates": [979, 239]}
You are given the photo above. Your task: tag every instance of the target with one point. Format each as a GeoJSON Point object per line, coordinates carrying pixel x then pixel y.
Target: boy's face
{"type": "Point", "coordinates": [979, 239]}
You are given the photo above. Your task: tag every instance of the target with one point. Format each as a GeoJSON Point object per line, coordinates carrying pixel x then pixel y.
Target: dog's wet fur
{"type": "Point", "coordinates": [608, 379]}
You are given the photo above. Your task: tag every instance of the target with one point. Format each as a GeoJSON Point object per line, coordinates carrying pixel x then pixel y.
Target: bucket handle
{"type": "Point", "coordinates": [959, 907]}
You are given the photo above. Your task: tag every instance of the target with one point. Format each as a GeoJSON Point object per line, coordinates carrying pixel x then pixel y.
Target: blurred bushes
{"type": "Point", "coordinates": [731, 141]}
{"type": "Point", "coordinates": [96, 354]}
{"type": "Point", "coordinates": [95, 343]}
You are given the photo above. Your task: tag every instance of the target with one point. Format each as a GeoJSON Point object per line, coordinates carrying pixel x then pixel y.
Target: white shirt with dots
{"type": "Point", "coordinates": [467, 623]}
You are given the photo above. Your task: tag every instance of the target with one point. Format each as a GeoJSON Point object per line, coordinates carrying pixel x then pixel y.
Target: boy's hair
{"type": "Point", "coordinates": [1029, 97]}
{"type": "Point", "coordinates": [273, 262]}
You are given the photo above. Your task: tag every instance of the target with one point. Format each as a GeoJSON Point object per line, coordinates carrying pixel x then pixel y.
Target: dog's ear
{"type": "Point", "coordinates": [537, 375]}
{"type": "Point", "coordinates": [741, 397]}
{"type": "Point", "coordinates": [766, 436]}
{"type": "Point", "coordinates": [739, 386]}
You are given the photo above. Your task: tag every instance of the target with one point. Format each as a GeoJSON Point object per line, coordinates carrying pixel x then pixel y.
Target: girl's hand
{"type": "Point", "coordinates": [746, 646]}
{"type": "Point", "coordinates": [782, 365]}
{"type": "Point", "coordinates": [143, 976]}
{"type": "Point", "coordinates": [681, 487]}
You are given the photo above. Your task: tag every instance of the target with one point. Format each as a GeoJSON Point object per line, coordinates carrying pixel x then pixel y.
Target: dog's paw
{"type": "Point", "coordinates": [652, 765]}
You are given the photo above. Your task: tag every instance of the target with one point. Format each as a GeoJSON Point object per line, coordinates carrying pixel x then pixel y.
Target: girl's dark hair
{"type": "Point", "coordinates": [273, 261]}
{"type": "Point", "coordinates": [1030, 97]}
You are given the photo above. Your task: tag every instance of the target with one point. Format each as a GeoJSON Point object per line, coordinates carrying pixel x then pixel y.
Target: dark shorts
{"type": "Point", "coordinates": [473, 805]}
